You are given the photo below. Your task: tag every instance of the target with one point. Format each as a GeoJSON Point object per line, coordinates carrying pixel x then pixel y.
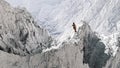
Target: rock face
{"type": "Point", "coordinates": [93, 49]}
{"type": "Point", "coordinates": [22, 42]}
{"type": "Point", "coordinates": [19, 33]}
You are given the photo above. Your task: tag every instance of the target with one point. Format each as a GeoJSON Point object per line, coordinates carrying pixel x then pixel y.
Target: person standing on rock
{"type": "Point", "coordinates": [74, 27]}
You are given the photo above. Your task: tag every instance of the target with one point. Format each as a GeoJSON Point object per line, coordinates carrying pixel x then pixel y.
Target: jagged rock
{"type": "Point", "coordinates": [93, 48]}
{"type": "Point", "coordinates": [71, 55]}
{"type": "Point", "coordinates": [88, 52]}
{"type": "Point", "coordinates": [19, 33]}
{"type": "Point", "coordinates": [114, 62]}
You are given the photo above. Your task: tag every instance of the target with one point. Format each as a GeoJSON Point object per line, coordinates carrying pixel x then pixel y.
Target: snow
{"type": "Point", "coordinates": [57, 17]}
{"type": "Point", "coordinates": [111, 42]}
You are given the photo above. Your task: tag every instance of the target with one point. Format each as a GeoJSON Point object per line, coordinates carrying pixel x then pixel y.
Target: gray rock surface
{"type": "Point", "coordinates": [19, 33]}
{"type": "Point", "coordinates": [22, 42]}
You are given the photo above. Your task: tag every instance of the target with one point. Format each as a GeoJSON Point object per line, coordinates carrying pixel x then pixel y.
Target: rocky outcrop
{"type": "Point", "coordinates": [93, 49]}
{"type": "Point", "coordinates": [19, 33]}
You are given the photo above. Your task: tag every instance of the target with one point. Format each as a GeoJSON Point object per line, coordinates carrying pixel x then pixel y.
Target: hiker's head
{"type": "Point", "coordinates": [73, 23]}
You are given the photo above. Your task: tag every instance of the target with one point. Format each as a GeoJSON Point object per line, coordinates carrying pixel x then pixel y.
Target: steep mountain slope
{"type": "Point", "coordinates": [57, 18]}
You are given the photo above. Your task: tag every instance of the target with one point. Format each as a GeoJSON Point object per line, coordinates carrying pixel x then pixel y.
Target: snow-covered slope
{"type": "Point", "coordinates": [57, 15]}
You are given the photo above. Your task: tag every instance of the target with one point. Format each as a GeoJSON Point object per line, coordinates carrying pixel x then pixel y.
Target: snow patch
{"type": "Point", "coordinates": [111, 42]}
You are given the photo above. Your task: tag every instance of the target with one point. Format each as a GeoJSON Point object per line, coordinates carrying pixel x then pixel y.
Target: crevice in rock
{"type": "Point", "coordinates": [23, 36]}
{"type": "Point", "coordinates": [1, 36]}
{"type": "Point", "coordinates": [34, 33]}
{"type": "Point", "coordinates": [1, 48]}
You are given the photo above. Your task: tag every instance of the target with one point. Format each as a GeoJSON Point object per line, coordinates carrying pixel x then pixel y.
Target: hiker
{"type": "Point", "coordinates": [74, 27]}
